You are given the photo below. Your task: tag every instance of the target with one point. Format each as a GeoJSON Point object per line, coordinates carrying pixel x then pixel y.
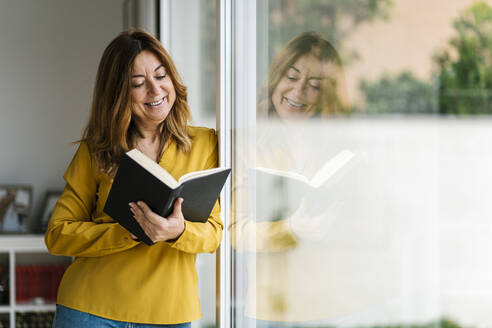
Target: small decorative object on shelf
{"type": "Point", "coordinates": [49, 203]}
{"type": "Point", "coordinates": [15, 207]}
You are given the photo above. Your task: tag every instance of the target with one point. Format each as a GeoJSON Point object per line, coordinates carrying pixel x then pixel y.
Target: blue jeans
{"type": "Point", "coordinates": [70, 318]}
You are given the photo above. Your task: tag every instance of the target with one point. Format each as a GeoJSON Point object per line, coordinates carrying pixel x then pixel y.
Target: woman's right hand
{"type": "Point", "coordinates": [159, 228]}
{"type": "Point", "coordinates": [313, 227]}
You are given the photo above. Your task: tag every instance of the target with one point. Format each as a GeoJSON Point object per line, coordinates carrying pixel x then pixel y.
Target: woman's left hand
{"type": "Point", "coordinates": [159, 228]}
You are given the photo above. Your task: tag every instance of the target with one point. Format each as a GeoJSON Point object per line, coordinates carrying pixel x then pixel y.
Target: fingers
{"type": "Point", "coordinates": [141, 214]}
{"type": "Point", "coordinates": [154, 225]}
{"type": "Point", "coordinates": [144, 208]}
{"type": "Point", "coordinates": [147, 212]}
{"type": "Point", "coordinates": [300, 210]}
{"type": "Point", "coordinates": [177, 207]}
{"type": "Point", "coordinates": [176, 220]}
{"type": "Point", "coordinates": [138, 214]}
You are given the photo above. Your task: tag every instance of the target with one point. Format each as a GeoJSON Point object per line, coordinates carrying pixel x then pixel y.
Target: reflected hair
{"type": "Point", "coordinates": [333, 95]}
{"type": "Point", "coordinates": [111, 130]}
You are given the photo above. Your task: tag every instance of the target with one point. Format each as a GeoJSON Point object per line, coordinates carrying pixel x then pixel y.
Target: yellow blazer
{"type": "Point", "coordinates": [114, 276]}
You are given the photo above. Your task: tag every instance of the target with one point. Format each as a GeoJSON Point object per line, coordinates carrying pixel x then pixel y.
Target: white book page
{"type": "Point", "coordinates": [158, 171]}
{"type": "Point", "coordinates": [195, 174]}
{"type": "Point", "coordinates": [331, 167]}
{"type": "Point", "coordinates": [287, 174]}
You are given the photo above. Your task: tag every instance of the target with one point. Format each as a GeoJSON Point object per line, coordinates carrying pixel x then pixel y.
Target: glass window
{"type": "Point", "coordinates": [192, 47]}
{"type": "Point", "coordinates": [361, 155]}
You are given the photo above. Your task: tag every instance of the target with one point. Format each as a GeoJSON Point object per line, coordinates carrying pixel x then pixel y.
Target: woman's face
{"type": "Point", "coordinates": [152, 91]}
{"type": "Point", "coordinates": [299, 89]}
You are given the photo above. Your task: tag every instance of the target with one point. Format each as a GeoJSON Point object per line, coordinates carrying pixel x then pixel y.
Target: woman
{"type": "Point", "coordinates": [306, 83]}
{"type": "Point", "coordinates": [305, 80]}
{"type": "Point", "coordinates": [305, 87]}
{"type": "Point", "coordinates": [139, 102]}
{"type": "Point", "coordinates": [294, 237]}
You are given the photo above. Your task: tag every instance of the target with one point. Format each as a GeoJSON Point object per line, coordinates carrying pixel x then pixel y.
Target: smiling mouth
{"type": "Point", "coordinates": [155, 103]}
{"type": "Point", "coordinates": [295, 104]}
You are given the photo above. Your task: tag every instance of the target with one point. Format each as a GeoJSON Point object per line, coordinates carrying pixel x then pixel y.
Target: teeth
{"type": "Point", "coordinates": [156, 103]}
{"type": "Point", "coordinates": [293, 103]}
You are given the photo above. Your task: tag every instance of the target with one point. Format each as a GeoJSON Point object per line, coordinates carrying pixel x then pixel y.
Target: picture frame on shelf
{"type": "Point", "coordinates": [15, 208]}
{"type": "Point", "coordinates": [50, 199]}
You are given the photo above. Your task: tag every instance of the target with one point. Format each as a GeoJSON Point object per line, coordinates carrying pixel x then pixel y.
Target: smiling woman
{"type": "Point", "coordinates": [152, 90]}
{"type": "Point", "coordinates": [305, 79]}
{"type": "Point", "coordinates": [153, 96]}
{"type": "Point", "coordinates": [284, 220]}
{"type": "Point", "coordinates": [139, 102]}
{"type": "Point", "coordinates": [137, 71]}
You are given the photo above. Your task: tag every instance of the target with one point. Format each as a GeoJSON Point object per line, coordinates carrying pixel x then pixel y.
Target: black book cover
{"type": "Point", "coordinates": [134, 183]}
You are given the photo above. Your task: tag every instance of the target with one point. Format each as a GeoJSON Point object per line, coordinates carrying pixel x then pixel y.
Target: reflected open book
{"type": "Point", "coordinates": [279, 193]}
{"type": "Point", "coordinates": [329, 169]}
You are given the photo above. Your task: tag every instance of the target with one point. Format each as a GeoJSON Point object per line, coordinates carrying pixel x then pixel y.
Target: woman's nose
{"type": "Point", "coordinates": [299, 88]}
{"type": "Point", "coordinates": [153, 87]}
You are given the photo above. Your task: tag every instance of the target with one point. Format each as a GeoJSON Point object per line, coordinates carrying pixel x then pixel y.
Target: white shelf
{"type": "Point", "coordinates": [24, 249]}
{"type": "Point", "coordinates": [34, 308]}
{"type": "Point", "coordinates": [28, 308]}
{"type": "Point", "coordinates": [22, 243]}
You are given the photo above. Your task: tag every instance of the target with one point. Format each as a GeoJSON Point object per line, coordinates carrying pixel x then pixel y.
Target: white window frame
{"type": "Point", "coordinates": [237, 94]}
{"type": "Point", "coordinates": [236, 102]}
{"type": "Point", "coordinates": [224, 128]}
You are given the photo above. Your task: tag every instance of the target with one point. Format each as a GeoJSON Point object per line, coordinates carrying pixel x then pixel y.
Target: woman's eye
{"type": "Point", "coordinates": [137, 85]}
{"type": "Point", "coordinates": [160, 77]}
{"type": "Point", "coordinates": [315, 84]}
{"type": "Point", "coordinates": [291, 78]}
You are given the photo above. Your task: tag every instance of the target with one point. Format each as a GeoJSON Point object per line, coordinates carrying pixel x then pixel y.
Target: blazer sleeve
{"type": "Point", "coordinates": [203, 237]}
{"type": "Point", "coordinates": [249, 235]}
{"type": "Point", "coordinates": [72, 229]}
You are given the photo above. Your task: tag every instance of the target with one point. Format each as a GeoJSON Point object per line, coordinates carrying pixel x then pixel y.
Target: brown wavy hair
{"type": "Point", "coordinates": [333, 96]}
{"type": "Point", "coordinates": [111, 130]}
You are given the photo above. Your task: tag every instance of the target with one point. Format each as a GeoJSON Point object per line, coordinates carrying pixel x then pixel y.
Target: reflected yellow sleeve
{"type": "Point", "coordinates": [248, 235]}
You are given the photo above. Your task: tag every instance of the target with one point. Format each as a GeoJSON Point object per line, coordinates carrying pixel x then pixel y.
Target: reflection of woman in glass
{"type": "Point", "coordinates": [305, 80]}
{"type": "Point", "coordinates": [297, 269]}
{"type": "Point", "coordinates": [306, 83]}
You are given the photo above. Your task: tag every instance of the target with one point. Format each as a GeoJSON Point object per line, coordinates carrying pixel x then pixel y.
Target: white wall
{"type": "Point", "coordinates": [49, 52]}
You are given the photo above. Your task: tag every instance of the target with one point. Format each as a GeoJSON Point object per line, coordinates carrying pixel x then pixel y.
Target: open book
{"type": "Point", "coordinates": [279, 193]}
{"type": "Point", "coordinates": [139, 178]}
{"type": "Point", "coordinates": [322, 175]}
